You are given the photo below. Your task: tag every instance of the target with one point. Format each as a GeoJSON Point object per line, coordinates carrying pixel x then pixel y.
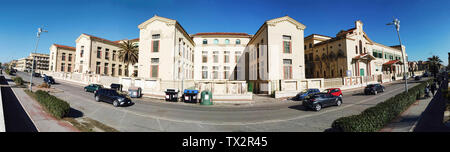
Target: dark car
{"type": "Point", "coordinates": [320, 100]}
{"type": "Point", "coordinates": [36, 74]}
{"type": "Point", "coordinates": [417, 78]}
{"type": "Point", "coordinates": [373, 89]}
{"type": "Point", "coordinates": [49, 80]}
{"type": "Point", "coordinates": [116, 86]}
{"type": "Point", "coordinates": [425, 74]}
{"type": "Point", "coordinates": [92, 87]}
{"type": "Point", "coordinates": [302, 95]}
{"type": "Point", "coordinates": [112, 96]}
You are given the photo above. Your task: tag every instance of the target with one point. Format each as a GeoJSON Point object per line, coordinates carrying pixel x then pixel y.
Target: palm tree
{"type": "Point", "coordinates": [434, 63]}
{"type": "Point", "coordinates": [128, 53]}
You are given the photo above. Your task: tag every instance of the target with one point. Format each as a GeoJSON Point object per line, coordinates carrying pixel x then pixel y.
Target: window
{"type": "Point", "coordinates": [204, 72]}
{"type": "Point", "coordinates": [106, 54]}
{"type": "Point", "coordinates": [105, 71]}
{"type": "Point", "coordinates": [287, 69]}
{"type": "Point", "coordinates": [70, 57]}
{"type": "Point", "coordinates": [227, 41]}
{"type": "Point", "coordinates": [356, 49]}
{"type": "Point", "coordinates": [205, 41]}
{"type": "Point", "coordinates": [63, 58]}
{"type": "Point", "coordinates": [236, 56]}
{"type": "Point", "coordinates": [226, 72]}
{"type": "Point", "coordinates": [204, 57]}
{"type": "Point", "coordinates": [310, 45]}
{"type": "Point", "coordinates": [97, 68]}
{"type": "Point", "coordinates": [69, 67]}
{"type": "Point", "coordinates": [62, 67]}
{"type": "Point", "coordinates": [82, 51]}
{"type": "Point", "coordinates": [154, 71]}
{"type": "Point", "coordinates": [120, 70]}
{"type": "Point", "coordinates": [114, 55]}
{"type": "Point", "coordinates": [81, 66]}
{"type": "Point", "coordinates": [113, 69]}
{"type": "Point", "coordinates": [155, 42]}
{"type": "Point", "coordinates": [99, 52]}
{"type": "Point", "coordinates": [226, 57]}
{"type": "Point", "coordinates": [238, 41]}
{"type": "Point", "coordinates": [215, 56]}
{"type": "Point", "coordinates": [155, 60]}
{"type": "Point", "coordinates": [216, 41]}
{"type": "Point", "coordinates": [286, 44]}
{"type": "Point", "coordinates": [215, 72]}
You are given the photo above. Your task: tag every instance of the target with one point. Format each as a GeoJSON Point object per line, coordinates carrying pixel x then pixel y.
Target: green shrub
{"type": "Point", "coordinates": [8, 71]}
{"type": "Point", "coordinates": [18, 80]}
{"type": "Point", "coordinates": [375, 118]}
{"type": "Point", "coordinates": [57, 107]}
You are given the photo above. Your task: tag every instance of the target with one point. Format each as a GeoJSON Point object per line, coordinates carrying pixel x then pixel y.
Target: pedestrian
{"type": "Point", "coordinates": [433, 88]}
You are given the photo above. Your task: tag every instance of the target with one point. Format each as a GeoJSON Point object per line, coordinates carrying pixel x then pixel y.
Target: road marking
{"type": "Point", "coordinates": [159, 124]}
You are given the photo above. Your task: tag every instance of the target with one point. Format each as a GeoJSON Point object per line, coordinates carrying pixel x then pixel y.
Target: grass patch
{"type": "Point", "coordinates": [51, 104]}
{"type": "Point", "coordinates": [89, 125]}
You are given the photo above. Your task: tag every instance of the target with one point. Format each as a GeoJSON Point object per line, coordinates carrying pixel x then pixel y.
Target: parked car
{"type": "Point", "coordinates": [92, 87]}
{"type": "Point", "coordinates": [334, 91]}
{"type": "Point", "coordinates": [320, 100]}
{"type": "Point", "coordinates": [425, 74]}
{"type": "Point", "coordinates": [43, 75]}
{"type": "Point", "coordinates": [302, 95]}
{"type": "Point", "coordinates": [36, 74]}
{"type": "Point", "coordinates": [49, 80]}
{"type": "Point", "coordinates": [116, 86]}
{"type": "Point", "coordinates": [417, 78]}
{"type": "Point", "coordinates": [373, 89]}
{"type": "Point", "coordinates": [112, 96]}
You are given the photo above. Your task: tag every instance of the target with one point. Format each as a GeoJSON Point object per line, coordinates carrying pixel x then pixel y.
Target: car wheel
{"type": "Point", "coordinates": [97, 98]}
{"type": "Point", "coordinates": [375, 92]}
{"type": "Point", "coordinates": [116, 103]}
{"type": "Point", "coordinates": [338, 102]}
{"type": "Point", "coordinates": [318, 107]}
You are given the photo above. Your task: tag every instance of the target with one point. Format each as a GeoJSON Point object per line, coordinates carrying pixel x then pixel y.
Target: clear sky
{"type": "Point", "coordinates": [425, 24]}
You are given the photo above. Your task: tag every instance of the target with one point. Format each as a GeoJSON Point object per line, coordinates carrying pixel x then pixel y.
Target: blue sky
{"type": "Point", "coordinates": [425, 24]}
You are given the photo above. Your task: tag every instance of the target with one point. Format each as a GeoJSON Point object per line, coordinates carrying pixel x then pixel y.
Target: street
{"type": "Point", "coordinates": [158, 116]}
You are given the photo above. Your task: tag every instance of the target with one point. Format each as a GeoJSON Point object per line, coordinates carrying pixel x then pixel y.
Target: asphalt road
{"type": "Point", "coordinates": [158, 116]}
{"type": "Point", "coordinates": [16, 119]}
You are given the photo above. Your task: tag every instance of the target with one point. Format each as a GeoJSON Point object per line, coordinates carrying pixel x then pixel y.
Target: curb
{"type": "Point", "coordinates": [2, 117]}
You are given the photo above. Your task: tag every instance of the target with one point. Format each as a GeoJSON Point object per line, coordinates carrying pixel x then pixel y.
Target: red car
{"type": "Point", "coordinates": [334, 91]}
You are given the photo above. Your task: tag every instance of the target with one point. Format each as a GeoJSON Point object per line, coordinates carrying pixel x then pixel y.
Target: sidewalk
{"type": "Point", "coordinates": [2, 118]}
{"type": "Point", "coordinates": [43, 121]}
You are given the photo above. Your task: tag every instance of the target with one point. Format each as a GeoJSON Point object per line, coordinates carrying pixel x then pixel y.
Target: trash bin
{"type": "Point", "coordinates": [206, 98]}
{"type": "Point", "coordinates": [171, 95]}
{"type": "Point", "coordinates": [135, 92]}
{"type": "Point", "coordinates": [190, 96]}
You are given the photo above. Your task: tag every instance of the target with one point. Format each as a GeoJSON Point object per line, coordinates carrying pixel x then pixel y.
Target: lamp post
{"type": "Point", "coordinates": [40, 30]}
{"type": "Point", "coordinates": [396, 23]}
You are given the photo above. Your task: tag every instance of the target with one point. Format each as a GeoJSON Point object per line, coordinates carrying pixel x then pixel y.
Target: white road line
{"type": "Point", "coordinates": [159, 124]}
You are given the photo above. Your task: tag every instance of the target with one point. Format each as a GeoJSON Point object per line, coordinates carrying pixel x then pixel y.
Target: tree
{"type": "Point", "coordinates": [434, 63]}
{"type": "Point", "coordinates": [128, 53]}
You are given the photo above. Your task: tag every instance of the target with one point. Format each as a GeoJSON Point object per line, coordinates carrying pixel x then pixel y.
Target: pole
{"type": "Point", "coordinates": [32, 65]}
{"type": "Point", "coordinates": [403, 56]}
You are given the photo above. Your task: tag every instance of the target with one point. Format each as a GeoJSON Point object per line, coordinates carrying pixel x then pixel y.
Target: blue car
{"type": "Point", "coordinates": [301, 96]}
{"type": "Point", "coordinates": [49, 80]}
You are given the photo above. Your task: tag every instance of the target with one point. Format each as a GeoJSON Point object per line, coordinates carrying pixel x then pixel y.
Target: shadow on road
{"type": "Point", "coordinates": [74, 113]}
{"type": "Point", "coordinates": [299, 107]}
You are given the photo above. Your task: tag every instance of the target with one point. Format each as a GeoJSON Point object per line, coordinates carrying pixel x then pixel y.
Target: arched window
{"type": "Point", "coordinates": [227, 41]}
{"type": "Point", "coordinates": [216, 41]}
{"type": "Point", "coordinates": [238, 41]}
{"type": "Point", "coordinates": [205, 41]}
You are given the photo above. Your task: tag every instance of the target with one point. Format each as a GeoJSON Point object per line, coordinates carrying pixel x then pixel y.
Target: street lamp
{"type": "Point", "coordinates": [40, 30]}
{"type": "Point", "coordinates": [396, 23]}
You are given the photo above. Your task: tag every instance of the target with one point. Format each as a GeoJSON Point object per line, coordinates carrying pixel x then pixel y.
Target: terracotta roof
{"type": "Point", "coordinates": [102, 39]}
{"type": "Point", "coordinates": [223, 33]}
{"type": "Point", "coordinates": [391, 62]}
{"type": "Point", "coordinates": [64, 46]}
{"type": "Point", "coordinates": [126, 39]}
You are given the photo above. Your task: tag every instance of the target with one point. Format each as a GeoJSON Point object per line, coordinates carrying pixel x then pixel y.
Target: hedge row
{"type": "Point", "coordinates": [57, 107]}
{"type": "Point", "coordinates": [375, 118]}
{"type": "Point", "coordinates": [18, 80]}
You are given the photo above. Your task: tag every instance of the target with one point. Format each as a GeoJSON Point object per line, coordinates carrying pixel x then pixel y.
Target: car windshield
{"type": "Point", "coordinates": [370, 86]}
{"type": "Point", "coordinates": [113, 92]}
{"type": "Point", "coordinates": [326, 91]}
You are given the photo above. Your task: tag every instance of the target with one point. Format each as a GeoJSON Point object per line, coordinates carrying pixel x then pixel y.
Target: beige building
{"type": "Point", "coordinates": [168, 53]}
{"type": "Point", "coordinates": [350, 53]}
{"type": "Point", "coordinates": [100, 56]}
{"type": "Point", "coordinates": [62, 58]}
{"type": "Point", "coordinates": [41, 62]}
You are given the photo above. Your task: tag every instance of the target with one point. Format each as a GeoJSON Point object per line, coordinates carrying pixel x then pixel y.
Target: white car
{"type": "Point", "coordinates": [43, 75]}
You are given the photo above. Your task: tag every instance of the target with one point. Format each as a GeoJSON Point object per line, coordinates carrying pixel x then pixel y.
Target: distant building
{"type": "Point", "coordinates": [41, 62]}
{"type": "Point", "coordinates": [62, 58]}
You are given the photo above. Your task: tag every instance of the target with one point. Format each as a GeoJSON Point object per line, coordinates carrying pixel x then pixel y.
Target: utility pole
{"type": "Point", "coordinates": [40, 30]}
{"type": "Point", "coordinates": [396, 23]}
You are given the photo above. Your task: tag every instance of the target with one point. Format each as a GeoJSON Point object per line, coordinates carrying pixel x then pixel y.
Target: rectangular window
{"type": "Point", "coordinates": [154, 71]}
{"type": "Point", "coordinates": [82, 51]}
{"type": "Point", "coordinates": [62, 67]}
{"type": "Point", "coordinates": [156, 36]}
{"type": "Point", "coordinates": [226, 73]}
{"type": "Point", "coordinates": [99, 52]}
{"type": "Point", "coordinates": [63, 58]}
{"type": "Point", "coordinates": [105, 71]}
{"type": "Point", "coordinates": [215, 72]}
{"type": "Point", "coordinates": [215, 57]}
{"type": "Point", "coordinates": [97, 69]}
{"type": "Point", "coordinates": [286, 44]}
{"type": "Point", "coordinates": [120, 70]}
{"type": "Point", "coordinates": [113, 69]}
{"type": "Point", "coordinates": [287, 68]}
{"type": "Point", "coordinates": [114, 55]}
{"type": "Point", "coordinates": [154, 60]}
{"type": "Point", "coordinates": [204, 59]}
{"type": "Point", "coordinates": [204, 72]}
{"type": "Point", "coordinates": [226, 57]}
{"type": "Point", "coordinates": [70, 57]}
{"type": "Point", "coordinates": [155, 42]}
{"type": "Point", "coordinates": [106, 54]}
{"type": "Point", "coordinates": [69, 67]}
